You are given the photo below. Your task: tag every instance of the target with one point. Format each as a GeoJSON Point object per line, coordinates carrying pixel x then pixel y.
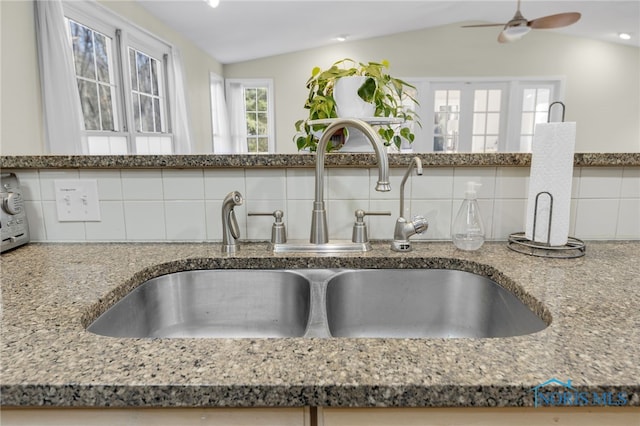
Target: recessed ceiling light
{"type": "Point", "coordinates": [212, 3]}
{"type": "Point", "coordinates": [624, 36]}
{"type": "Point", "coordinates": [341, 38]}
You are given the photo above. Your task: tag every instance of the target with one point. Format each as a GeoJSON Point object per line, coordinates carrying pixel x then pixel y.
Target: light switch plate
{"type": "Point", "coordinates": [77, 200]}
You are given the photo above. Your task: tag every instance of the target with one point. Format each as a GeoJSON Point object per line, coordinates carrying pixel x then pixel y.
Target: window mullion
{"type": "Point", "coordinates": [125, 91]}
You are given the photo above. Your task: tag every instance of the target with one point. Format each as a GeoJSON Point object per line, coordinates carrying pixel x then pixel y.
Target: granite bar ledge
{"type": "Point", "coordinates": [298, 160]}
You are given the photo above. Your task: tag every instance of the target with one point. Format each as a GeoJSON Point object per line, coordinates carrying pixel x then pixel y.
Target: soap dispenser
{"type": "Point", "coordinates": [467, 230]}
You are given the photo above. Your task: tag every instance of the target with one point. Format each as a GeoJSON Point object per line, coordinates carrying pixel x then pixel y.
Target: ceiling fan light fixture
{"type": "Point", "coordinates": [516, 32]}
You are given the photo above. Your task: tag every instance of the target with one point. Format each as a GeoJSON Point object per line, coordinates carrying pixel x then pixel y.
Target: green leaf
{"type": "Point", "coordinates": [368, 90]}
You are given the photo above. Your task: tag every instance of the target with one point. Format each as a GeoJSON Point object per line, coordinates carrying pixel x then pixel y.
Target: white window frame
{"type": "Point", "coordinates": [255, 82]}
{"type": "Point", "coordinates": [125, 34]}
{"type": "Point", "coordinates": [511, 107]}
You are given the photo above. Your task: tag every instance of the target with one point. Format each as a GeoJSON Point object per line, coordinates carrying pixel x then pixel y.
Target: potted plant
{"type": "Point", "coordinates": [384, 92]}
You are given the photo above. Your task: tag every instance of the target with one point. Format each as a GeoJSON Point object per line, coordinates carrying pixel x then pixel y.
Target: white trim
{"type": "Point", "coordinates": [259, 82]}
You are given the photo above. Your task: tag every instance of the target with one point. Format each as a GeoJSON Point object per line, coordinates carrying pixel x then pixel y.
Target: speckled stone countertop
{"type": "Point", "coordinates": [51, 291]}
{"type": "Point", "coordinates": [299, 160]}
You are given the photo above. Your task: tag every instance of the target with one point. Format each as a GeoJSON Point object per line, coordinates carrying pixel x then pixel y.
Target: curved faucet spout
{"type": "Point", "coordinates": [319, 233]}
{"type": "Point", "coordinates": [415, 161]}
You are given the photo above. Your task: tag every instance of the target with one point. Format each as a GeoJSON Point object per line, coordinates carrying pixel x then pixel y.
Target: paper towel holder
{"type": "Point", "coordinates": [549, 110]}
{"type": "Point", "coordinates": [520, 243]}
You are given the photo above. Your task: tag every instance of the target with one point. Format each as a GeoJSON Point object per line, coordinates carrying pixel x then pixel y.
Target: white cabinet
{"type": "Point", "coordinates": [596, 416]}
{"type": "Point", "coordinates": [156, 417]}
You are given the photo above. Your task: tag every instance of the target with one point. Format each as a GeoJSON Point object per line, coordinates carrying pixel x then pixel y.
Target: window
{"type": "Point", "coordinates": [482, 115]}
{"type": "Point", "coordinates": [121, 73]}
{"type": "Point", "coordinates": [250, 105]}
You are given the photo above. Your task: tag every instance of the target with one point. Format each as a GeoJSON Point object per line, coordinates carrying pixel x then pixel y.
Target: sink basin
{"type": "Point", "coordinates": [424, 303]}
{"type": "Point", "coordinates": [323, 303]}
{"type": "Point", "coordinates": [212, 303]}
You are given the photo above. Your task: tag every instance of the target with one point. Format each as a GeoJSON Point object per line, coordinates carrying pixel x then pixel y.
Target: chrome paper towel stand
{"type": "Point", "coordinates": [518, 241]}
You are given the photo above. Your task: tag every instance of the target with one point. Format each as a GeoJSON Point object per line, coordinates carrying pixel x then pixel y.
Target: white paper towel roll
{"type": "Point", "coordinates": [551, 171]}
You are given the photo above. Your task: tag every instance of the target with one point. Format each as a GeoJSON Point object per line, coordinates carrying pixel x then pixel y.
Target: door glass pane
{"type": "Point", "coordinates": [543, 100]}
{"type": "Point", "coordinates": [480, 100]}
{"type": "Point", "coordinates": [528, 100]}
{"type": "Point", "coordinates": [494, 100]}
{"type": "Point", "coordinates": [493, 123]}
{"type": "Point", "coordinates": [479, 123]}
{"type": "Point", "coordinates": [527, 123]}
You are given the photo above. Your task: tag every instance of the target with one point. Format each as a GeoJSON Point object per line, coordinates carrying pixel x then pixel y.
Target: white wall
{"type": "Point", "coordinates": [21, 113]}
{"type": "Point", "coordinates": [185, 205]}
{"type": "Point", "coordinates": [602, 90]}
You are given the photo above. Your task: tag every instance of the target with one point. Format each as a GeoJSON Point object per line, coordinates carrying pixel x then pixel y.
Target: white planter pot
{"type": "Point", "coordinates": [348, 103]}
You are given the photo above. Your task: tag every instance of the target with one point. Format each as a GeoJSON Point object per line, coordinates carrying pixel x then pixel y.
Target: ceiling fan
{"type": "Point", "coordinates": [518, 26]}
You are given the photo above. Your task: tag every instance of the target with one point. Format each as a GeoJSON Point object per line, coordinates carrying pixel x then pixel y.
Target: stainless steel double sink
{"type": "Point", "coordinates": [392, 303]}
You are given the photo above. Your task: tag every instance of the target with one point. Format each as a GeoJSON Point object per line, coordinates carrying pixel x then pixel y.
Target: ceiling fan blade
{"type": "Point", "coordinates": [483, 25]}
{"type": "Point", "coordinates": [555, 21]}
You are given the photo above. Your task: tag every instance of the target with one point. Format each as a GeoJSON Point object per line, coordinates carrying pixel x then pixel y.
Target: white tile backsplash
{"type": "Point", "coordinates": [596, 218]}
{"type": "Point", "coordinates": [629, 219]}
{"type": "Point", "coordinates": [218, 183]}
{"type": "Point", "coordinates": [486, 176]}
{"type": "Point", "coordinates": [47, 177]}
{"type": "Point", "coordinates": [630, 183]}
{"type": "Point", "coordinates": [265, 184]}
{"type": "Point", "coordinates": [183, 184]}
{"type": "Point", "coordinates": [185, 220]}
{"type": "Point", "coordinates": [142, 185]}
{"type": "Point", "coordinates": [434, 184]}
{"type": "Point", "coordinates": [512, 182]}
{"type": "Point", "coordinates": [111, 227]}
{"type": "Point", "coordinates": [184, 205]}
{"type": "Point", "coordinates": [596, 182]}
{"type": "Point", "coordinates": [145, 220]}
{"type": "Point", "coordinates": [60, 231]}
{"type": "Point", "coordinates": [109, 183]}
{"type": "Point", "coordinates": [348, 184]}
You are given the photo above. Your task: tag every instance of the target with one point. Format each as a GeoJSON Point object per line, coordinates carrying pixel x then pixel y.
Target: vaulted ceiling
{"type": "Point", "coordinates": [240, 30]}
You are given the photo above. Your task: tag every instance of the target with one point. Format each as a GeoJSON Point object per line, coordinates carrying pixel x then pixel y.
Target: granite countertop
{"type": "Point", "coordinates": [50, 292]}
{"type": "Point", "coordinates": [513, 159]}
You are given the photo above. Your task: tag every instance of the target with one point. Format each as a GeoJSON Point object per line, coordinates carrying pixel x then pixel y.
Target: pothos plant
{"type": "Point", "coordinates": [387, 93]}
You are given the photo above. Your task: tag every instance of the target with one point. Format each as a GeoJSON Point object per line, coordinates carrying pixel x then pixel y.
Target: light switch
{"type": "Point", "coordinates": [77, 200]}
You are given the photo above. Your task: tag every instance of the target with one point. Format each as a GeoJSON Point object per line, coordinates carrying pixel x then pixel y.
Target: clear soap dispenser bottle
{"type": "Point", "coordinates": [467, 230]}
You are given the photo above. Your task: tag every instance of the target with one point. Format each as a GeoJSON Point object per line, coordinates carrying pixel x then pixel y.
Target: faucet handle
{"type": "Point", "coordinates": [420, 224]}
{"type": "Point", "coordinates": [278, 231]}
{"type": "Point", "coordinates": [360, 228]}
{"type": "Point", "coordinates": [360, 214]}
